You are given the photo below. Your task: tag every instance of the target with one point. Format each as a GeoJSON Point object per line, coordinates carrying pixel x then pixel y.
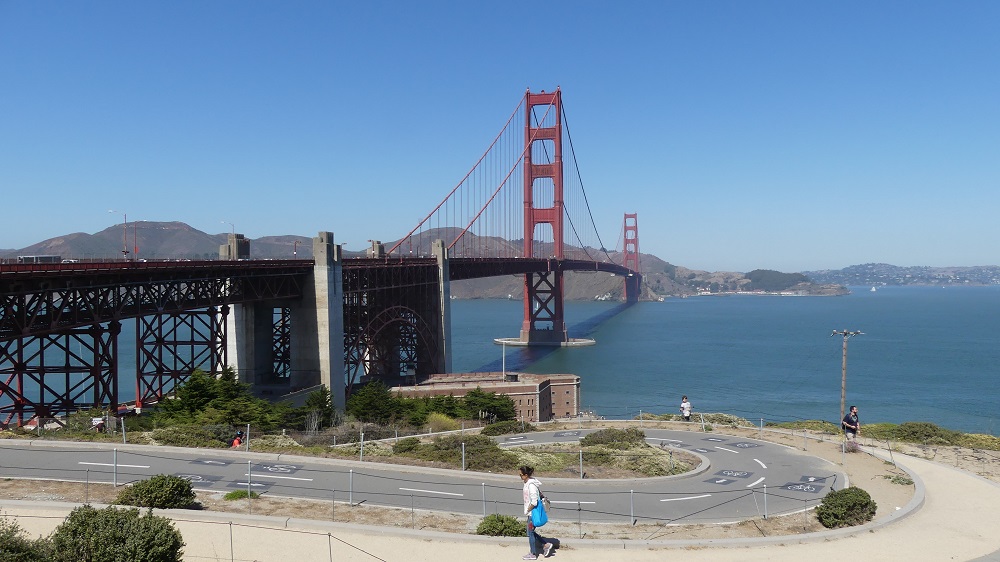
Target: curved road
{"type": "Point", "coordinates": [738, 479]}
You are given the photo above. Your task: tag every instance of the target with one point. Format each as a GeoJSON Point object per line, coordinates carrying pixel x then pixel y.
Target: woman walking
{"type": "Point", "coordinates": [532, 495]}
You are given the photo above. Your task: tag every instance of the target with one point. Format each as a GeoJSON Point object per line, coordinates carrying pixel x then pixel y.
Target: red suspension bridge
{"type": "Point", "coordinates": [518, 202]}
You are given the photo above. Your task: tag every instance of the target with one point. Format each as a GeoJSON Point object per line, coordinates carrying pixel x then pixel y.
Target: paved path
{"type": "Point", "coordinates": [958, 521]}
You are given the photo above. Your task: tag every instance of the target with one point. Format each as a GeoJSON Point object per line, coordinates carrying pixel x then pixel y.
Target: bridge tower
{"type": "Point", "coordinates": [630, 257]}
{"type": "Point", "coordinates": [544, 323]}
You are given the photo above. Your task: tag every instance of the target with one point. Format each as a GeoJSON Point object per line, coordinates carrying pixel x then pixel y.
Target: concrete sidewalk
{"type": "Point", "coordinates": [957, 521]}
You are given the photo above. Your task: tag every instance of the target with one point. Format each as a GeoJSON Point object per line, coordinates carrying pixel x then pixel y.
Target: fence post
{"type": "Point", "coordinates": [484, 499]}
{"type": "Point", "coordinates": [631, 507]}
{"type": "Point", "coordinates": [350, 496]}
{"type": "Point", "coordinates": [232, 554]}
{"type": "Point", "coordinates": [362, 451]}
{"type": "Point", "coordinates": [248, 436]}
{"type": "Point", "coordinates": [116, 468]}
{"type": "Point", "coordinates": [762, 428]}
{"type": "Point", "coordinates": [765, 501]}
{"type": "Point", "coordinates": [463, 456]}
{"type": "Point", "coordinates": [702, 416]}
{"type": "Point", "coordinates": [581, 464]}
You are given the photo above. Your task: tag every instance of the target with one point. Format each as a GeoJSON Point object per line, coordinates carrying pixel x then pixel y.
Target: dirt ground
{"type": "Point", "coordinates": [888, 485]}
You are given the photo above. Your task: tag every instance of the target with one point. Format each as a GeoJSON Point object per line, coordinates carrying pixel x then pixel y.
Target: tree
{"type": "Point", "coordinates": [490, 403]}
{"type": "Point", "coordinates": [116, 535]}
{"type": "Point", "coordinates": [321, 401]}
{"type": "Point", "coordinates": [204, 399]}
{"type": "Point", "coordinates": [373, 403]}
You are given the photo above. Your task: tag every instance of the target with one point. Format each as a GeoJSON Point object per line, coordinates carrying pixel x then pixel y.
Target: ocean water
{"type": "Point", "coordinates": [927, 354]}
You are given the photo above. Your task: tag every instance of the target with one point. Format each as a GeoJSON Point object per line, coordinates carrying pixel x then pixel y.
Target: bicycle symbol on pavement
{"type": "Point", "coordinates": [802, 488]}
{"type": "Point", "coordinates": [277, 468]}
{"type": "Point", "coordinates": [199, 479]}
{"type": "Point", "coordinates": [734, 473]}
{"type": "Point", "coordinates": [745, 445]}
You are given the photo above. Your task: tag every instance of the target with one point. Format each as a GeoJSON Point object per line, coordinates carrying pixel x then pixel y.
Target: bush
{"type": "Point", "coordinates": [161, 491]}
{"type": "Point", "coordinates": [406, 445]}
{"type": "Point", "coordinates": [441, 422]}
{"type": "Point", "coordinates": [507, 427]}
{"type": "Point", "coordinates": [15, 546]}
{"type": "Point", "coordinates": [926, 432]}
{"type": "Point", "coordinates": [240, 495]}
{"type": "Point", "coordinates": [845, 508]}
{"type": "Point", "coordinates": [614, 437]}
{"type": "Point", "coordinates": [116, 535]}
{"type": "Point", "coordinates": [496, 525]}
{"type": "Point", "coordinates": [980, 441]}
{"type": "Point", "coordinates": [194, 436]}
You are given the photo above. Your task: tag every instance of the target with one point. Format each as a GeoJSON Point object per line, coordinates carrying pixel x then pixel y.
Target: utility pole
{"type": "Point", "coordinates": [843, 370]}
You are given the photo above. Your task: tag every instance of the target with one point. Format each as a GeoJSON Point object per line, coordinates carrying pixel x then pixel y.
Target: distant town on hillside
{"type": "Point", "coordinates": [885, 274]}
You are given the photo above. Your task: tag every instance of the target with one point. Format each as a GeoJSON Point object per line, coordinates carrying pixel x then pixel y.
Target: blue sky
{"type": "Point", "coordinates": [781, 135]}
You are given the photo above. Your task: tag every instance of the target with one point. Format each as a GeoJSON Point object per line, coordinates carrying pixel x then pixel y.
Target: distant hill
{"type": "Point", "coordinates": [177, 240]}
{"type": "Point", "coordinates": [885, 274]}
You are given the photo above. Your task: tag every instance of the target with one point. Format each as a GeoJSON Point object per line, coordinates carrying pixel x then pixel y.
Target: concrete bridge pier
{"type": "Point", "coordinates": [313, 340]}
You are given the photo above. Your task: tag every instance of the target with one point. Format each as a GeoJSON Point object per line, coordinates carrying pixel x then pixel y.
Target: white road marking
{"type": "Point", "coordinates": [758, 481]}
{"type": "Point", "coordinates": [727, 450]}
{"type": "Point", "coordinates": [761, 463]}
{"type": "Point", "coordinates": [519, 442]}
{"type": "Point", "coordinates": [431, 492]}
{"type": "Point", "coordinates": [662, 439]}
{"type": "Point", "coordinates": [112, 464]}
{"type": "Point", "coordinates": [262, 475]}
{"type": "Point", "coordinates": [686, 498]}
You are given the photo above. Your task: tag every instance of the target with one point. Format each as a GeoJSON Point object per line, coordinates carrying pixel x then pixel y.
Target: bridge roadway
{"type": "Point", "coordinates": [729, 485]}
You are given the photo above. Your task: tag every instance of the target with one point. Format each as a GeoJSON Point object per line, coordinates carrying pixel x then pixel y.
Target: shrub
{"type": "Point", "coordinates": [507, 427]}
{"type": "Point", "coordinates": [980, 441]}
{"type": "Point", "coordinates": [194, 435]}
{"type": "Point", "coordinates": [845, 508]}
{"type": "Point", "coordinates": [614, 437]}
{"type": "Point", "coordinates": [496, 525]}
{"type": "Point", "coordinates": [926, 432]}
{"type": "Point", "coordinates": [15, 546]}
{"type": "Point", "coordinates": [110, 534]}
{"type": "Point", "coordinates": [240, 495]}
{"type": "Point", "coordinates": [161, 491]}
{"type": "Point", "coordinates": [406, 445]}
{"type": "Point", "coordinates": [441, 422]}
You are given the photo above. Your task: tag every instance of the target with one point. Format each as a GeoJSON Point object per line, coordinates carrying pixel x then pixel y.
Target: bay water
{"type": "Point", "coordinates": [926, 354]}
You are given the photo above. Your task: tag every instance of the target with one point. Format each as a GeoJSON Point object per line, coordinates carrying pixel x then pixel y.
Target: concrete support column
{"type": "Point", "coordinates": [249, 330]}
{"type": "Point", "coordinates": [324, 350]}
{"type": "Point", "coordinates": [444, 322]}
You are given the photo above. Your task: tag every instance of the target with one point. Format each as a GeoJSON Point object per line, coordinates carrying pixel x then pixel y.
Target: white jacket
{"type": "Point", "coordinates": [532, 492]}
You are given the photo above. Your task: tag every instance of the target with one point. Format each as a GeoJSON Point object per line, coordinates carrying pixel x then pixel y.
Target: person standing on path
{"type": "Point", "coordinates": [532, 495]}
{"type": "Point", "coordinates": [851, 423]}
{"type": "Point", "coordinates": [685, 409]}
